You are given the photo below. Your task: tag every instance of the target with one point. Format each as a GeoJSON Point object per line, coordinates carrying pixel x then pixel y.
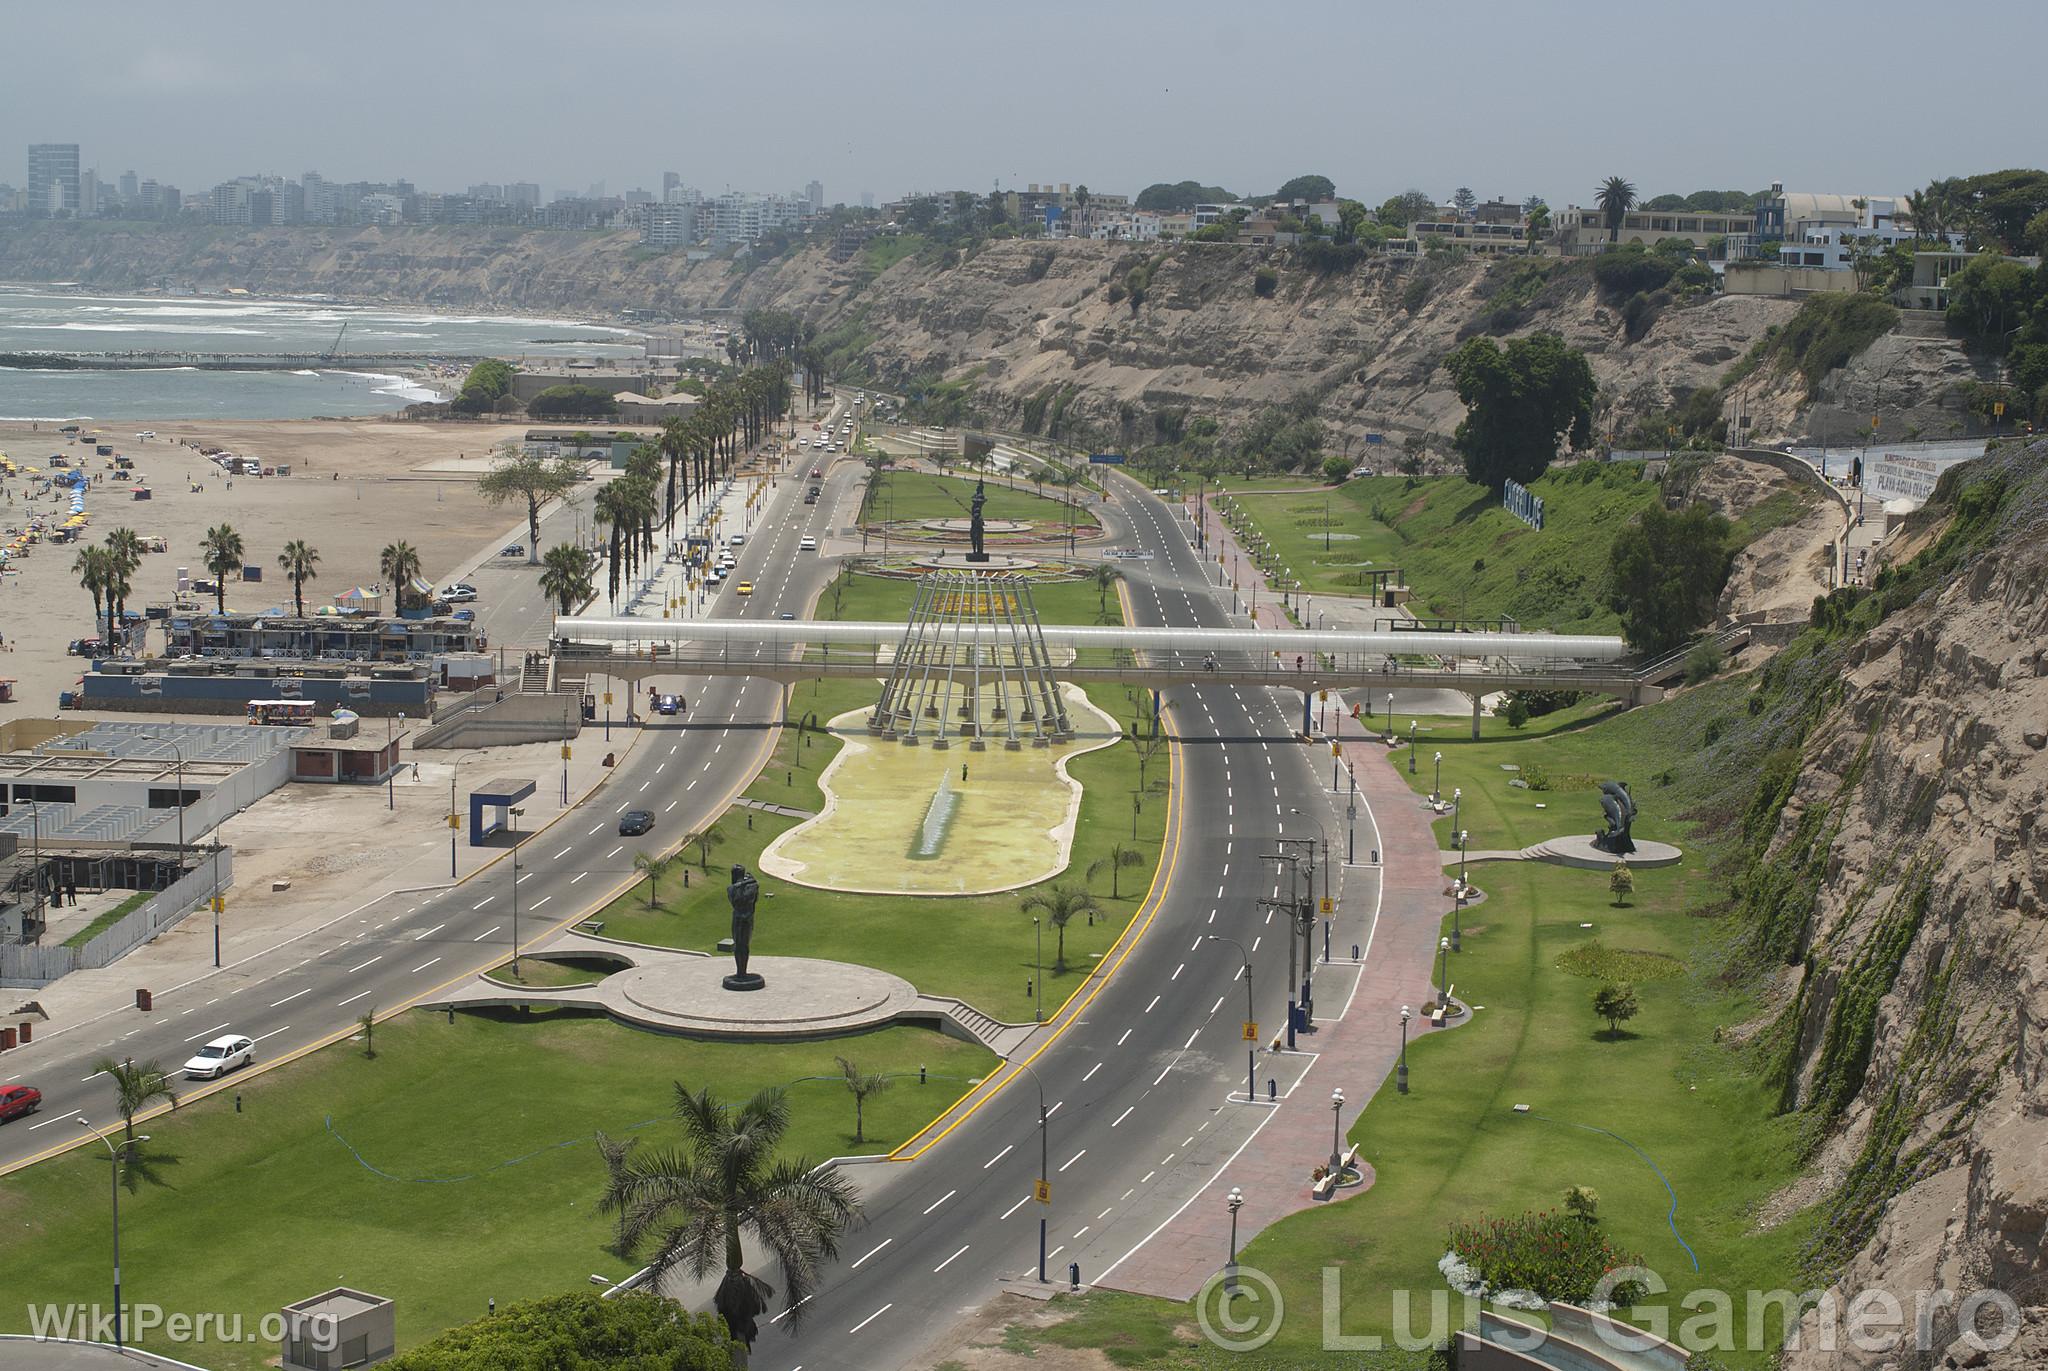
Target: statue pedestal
{"type": "Point", "coordinates": [750, 981]}
{"type": "Point", "coordinates": [976, 557]}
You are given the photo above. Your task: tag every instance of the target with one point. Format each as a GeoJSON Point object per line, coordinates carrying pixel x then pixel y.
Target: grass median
{"type": "Point", "coordinates": [453, 1168]}
{"type": "Point", "coordinates": [1456, 1150]}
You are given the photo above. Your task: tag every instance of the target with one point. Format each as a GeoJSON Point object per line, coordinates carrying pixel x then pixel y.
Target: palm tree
{"type": "Point", "coordinates": [399, 564]}
{"type": "Point", "coordinates": [1616, 197]}
{"type": "Point", "coordinates": [710, 837]}
{"type": "Point", "coordinates": [124, 548]}
{"type": "Point", "coordinates": [1117, 858]}
{"type": "Point", "coordinates": [1059, 905]}
{"type": "Point", "coordinates": [861, 1084]}
{"type": "Point", "coordinates": [1106, 575]}
{"type": "Point", "coordinates": [91, 566]}
{"type": "Point", "coordinates": [1537, 223]}
{"type": "Point", "coordinates": [694, 1204]}
{"type": "Point", "coordinates": [137, 1085]}
{"type": "Point", "coordinates": [221, 552]}
{"type": "Point", "coordinates": [297, 561]}
{"type": "Point", "coordinates": [650, 866]}
{"type": "Point", "coordinates": [565, 576]}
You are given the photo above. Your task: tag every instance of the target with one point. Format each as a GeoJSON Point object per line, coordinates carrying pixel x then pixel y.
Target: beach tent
{"type": "Point", "coordinates": [360, 600]}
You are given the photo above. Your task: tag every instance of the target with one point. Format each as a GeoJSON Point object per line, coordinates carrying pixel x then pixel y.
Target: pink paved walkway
{"type": "Point", "coordinates": [1356, 1044]}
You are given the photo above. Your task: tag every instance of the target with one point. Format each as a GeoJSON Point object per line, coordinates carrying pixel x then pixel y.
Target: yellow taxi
{"type": "Point", "coordinates": [746, 587]}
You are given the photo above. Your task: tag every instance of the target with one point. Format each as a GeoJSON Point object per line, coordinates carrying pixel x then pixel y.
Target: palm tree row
{"type": "Point", "coordinates": [733, 417]}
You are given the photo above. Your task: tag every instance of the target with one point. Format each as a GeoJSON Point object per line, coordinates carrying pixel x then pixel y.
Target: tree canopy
{"type": "Point", "coordinates": [1666, 571]}
{"type": "Point", "coordinates": [488, 382]}
{"type": "Point", "coordinates": [572, 402]}
{"type": "Point", "coordinates": [579, 1332]}
{"type": "Point", "coordinates": [1178, 197]}
{"type": "Point", "coordinates": [1518, 403]}
{"type": "Point", "coordinates": [1311, 188]}
{"type": "Point", "coordinates": [531, 480]}
{"type": "Point", "coordinates": [1410, 206]}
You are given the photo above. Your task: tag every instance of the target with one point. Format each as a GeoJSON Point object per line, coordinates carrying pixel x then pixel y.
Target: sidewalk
{"type": "Point", "coordinates": [1396, 920]}
{"type": "Point", "coordinates": [372, 852]}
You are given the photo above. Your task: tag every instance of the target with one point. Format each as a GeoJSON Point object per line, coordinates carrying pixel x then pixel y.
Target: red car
{"type": "Point", "coordinates": [816, 473]}
{"type": "Point", "coordinates": [19, 1100]}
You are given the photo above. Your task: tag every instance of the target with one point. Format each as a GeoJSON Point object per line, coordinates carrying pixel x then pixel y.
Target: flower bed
{"type": "Point", "coordinates": [1523, 1262]}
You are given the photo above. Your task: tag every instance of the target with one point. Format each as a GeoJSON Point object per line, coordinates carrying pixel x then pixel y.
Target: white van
{"type": "Point", "coordinates": [737, 540]}
{"type": "Point", "coordinates": [807, 545]}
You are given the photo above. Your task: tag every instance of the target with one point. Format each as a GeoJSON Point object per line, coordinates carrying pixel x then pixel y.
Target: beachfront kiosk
{"type": "Point", "coordinates": [498, 797]}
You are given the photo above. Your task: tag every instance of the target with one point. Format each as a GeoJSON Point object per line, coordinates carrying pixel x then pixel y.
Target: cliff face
{"type": "Point", "coordinates": [1915, 1028]}
{"type": "Point", "coordinates": [1018, 318]}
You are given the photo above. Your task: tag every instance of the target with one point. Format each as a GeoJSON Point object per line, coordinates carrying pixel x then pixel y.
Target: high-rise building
{"type": "Point", "coordinates": [815, 193]}
{"type": "Point", "coordinates": [670, 224]}
{"type": "Point", "coordinates": [52, 179]}
{"type": "Point", "coordinates": [89, 192]}
{"type": "Point", "coordinates": [867, 199]}
{"type": "Point", "coordinates": [523, 194]}
{"type": "Point", "coordinates": [128, 186]}
{"type": "Point", "coordinates": [669, 181]}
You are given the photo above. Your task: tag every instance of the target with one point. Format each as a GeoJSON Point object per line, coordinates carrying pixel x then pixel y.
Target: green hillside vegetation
{"type": "Point", "coordinates": [1465, 556]}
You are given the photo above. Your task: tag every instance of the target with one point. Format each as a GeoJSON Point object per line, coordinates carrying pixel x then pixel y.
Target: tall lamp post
{"type": "Point", "coordinates": [1443, 974]}
{"type": "Point", "coordinates": [1038, 989]}
{"type": "Point", "coordinates": [1337, 1132]}
{"type": "Point", "coordinates": [1042, 1192]}
{"type": "Point", "coordinates": [1327, 918]}
{"type": "Point", "coordinates": [1436, 789]}
{"type": "Point", "coordinates": [1236, 1202]}
{"type": "Point", "coordinates": [1411, 747]}
{"type": "Point", "coordinates": [1458, 905]}
{"type": "Point", "coordinates": [515, 812]}
{"type": "Point", "coordinates": [1251, 1042]}
{"type": "Point", "coordinates": [216, 901]}
{"type": "Point", "coordinates": [114, 1156]}
{"type": "Point", "coordinates": [1390, 718]}
{"type": "Point", "coordinates": [1401, 1071]}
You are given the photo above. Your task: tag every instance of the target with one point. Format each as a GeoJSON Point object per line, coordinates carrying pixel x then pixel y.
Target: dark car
{"type": "Point", "coordinates": [669, 704]}
{"type": "Point", "coordinates": [513, 550]}
{"type": "Point", "coordinates": [17, 1101]}
{"type": "Point", "coordinates": [634, 822]}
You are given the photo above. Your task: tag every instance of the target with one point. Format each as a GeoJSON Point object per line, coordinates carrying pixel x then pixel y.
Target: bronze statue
{"type": "Point", "coordinates": [743, 894]}
{"type": "Point", "coordinates": [977, 528]}
{"type": "Point", "coordinates": [1620, 808]}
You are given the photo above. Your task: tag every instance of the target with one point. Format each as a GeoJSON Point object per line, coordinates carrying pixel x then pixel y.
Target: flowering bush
{"type": "Point", "coordinates": [1555, 1256]}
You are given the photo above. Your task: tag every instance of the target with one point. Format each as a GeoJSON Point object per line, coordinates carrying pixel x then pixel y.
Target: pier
{"type": "Point", "coordinates": [226, 361]}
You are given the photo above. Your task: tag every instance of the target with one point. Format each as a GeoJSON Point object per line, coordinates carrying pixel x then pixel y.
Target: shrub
{"type": "Point", "coordinates": [1703, 663]}
{"type": "Point", "coordinates": [1518, 713]}
{"type": "Point", "coordinates": [1264, 282]}
{"type": "Point", "coordinates": [1557, 1256]}
{"type": "Point", "coordinates": [1631, 270]}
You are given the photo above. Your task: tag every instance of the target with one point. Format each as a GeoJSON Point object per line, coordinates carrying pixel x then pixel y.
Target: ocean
{"type": "Point", "coordinates": [45, 319]}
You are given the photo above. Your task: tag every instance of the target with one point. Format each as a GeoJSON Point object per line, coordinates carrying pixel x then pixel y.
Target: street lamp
{"type": "Point", "coordinates": [1328, 904]}
{"type": "Point", "coordinates": [114, 1156]}
{"type": "Point", "coordinates": [1411, 747]}
{"type": "Point", "coordinates": [1038, 986]}
{"type": "Point", "coordinates": [216, 900]}
{"type": "Point", "coordinates": [1043, 1191]}
{"type": "Point", "coordinates": [1436, 789]}
{"type": "Point", "coordinates": [515, 812]}
{"type": "Point", "coordinates": [1401, 1071]}
{"type": "Point", "coordinates": [1236, 1202]}
{"type": "Point", "coordinates": [1336, 1134]}
{"type": "Point", "coordinates": [1251, 1044]}
{"type": "Point", "coordinates": [1443, 974]}
{"type": "Point", "coordinates": [1458, 905]}
{"type": "Point", "coordinates": [1390, 718]}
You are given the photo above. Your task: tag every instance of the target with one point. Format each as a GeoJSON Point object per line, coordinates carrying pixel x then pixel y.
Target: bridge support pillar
{"type": "Point", "coordinates": [1476, 698]}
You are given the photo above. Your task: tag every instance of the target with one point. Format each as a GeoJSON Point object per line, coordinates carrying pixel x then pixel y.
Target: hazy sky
{"type": "Point", "coordinates": [1507, 98]}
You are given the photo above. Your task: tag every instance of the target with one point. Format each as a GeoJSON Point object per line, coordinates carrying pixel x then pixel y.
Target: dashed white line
{"type": "Point", "coordinates": [351, 999]}
{"type": "Point", "coordinates": [870, 1318]}
{"type": "Point", "coordinates": [999, 1156]}
{"type": "Point", "coordinates": [871, 1252]}
{"type": "Point", "coordinates": [1091, 1072]}
{"type": "Point", "coordinates": [289, 998]}
{"type": "Point", "coordinates": [1149, 1007]}
{"type": "Point", "coordinates": [941, 1200]}
{"type": "Point", "coordinates": [1121, 1117]}
{"type": "Point", "coordinates": [948, 1261]}
{"type": "Point", "coordinates": [486, 933]}
{"type": "Point", "coordinates": [1120, 1041]}
{"type": "Point", "coordinates": [423, 966]}
{"type": "Point", "coordinates": [1071, 1160]}
{"type": "Point", "coordinates": [354, 969]}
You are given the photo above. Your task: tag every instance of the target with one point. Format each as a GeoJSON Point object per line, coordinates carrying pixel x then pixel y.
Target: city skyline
{"type": "Point", "coordinates": [1525, 106]}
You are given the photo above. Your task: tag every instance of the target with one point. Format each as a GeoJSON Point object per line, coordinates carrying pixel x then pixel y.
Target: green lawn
{"type": "Point", "coordinates": [915, 495]}
{"type": "Point", "coordinates": [535, 971]}
{"type": "Point", "coordinates": [1463, 555]}
{"type": "Point", "coordinates": [245, 1212]}
{"type": "Point", "coordinates": [1455, 1150]}
{"type": "Point", "coordinates": [895, 933]}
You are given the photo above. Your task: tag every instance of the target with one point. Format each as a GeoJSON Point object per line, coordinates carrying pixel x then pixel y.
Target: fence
{"type": "Point", "coordinates": [30, 965]}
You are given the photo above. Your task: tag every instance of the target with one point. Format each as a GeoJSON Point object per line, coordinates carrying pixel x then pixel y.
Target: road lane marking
{"type": "Point", "coordinates": [615, 852]}
{"type": "Point", "coordinates": [1150, 1007]}
{"type": "Point", "coordinates": [438, 927]}
{"type": "Point", "coordinates": [941, 1200]}
{"type": "Point", "coordinates": [351, 1000]}
{"type": "Point", "coordinates": [489, 931]}
{"type": "Point", "coordinates": [541, 901]}
{"type": "Point", "coordinates": [1091, 1073]}
{"type": "Point", "coordinates": [870, 1318]}
{"type": "Point", "coordinates": [289, 998]}
{"type": "Point", "coordinates": [984, 1166]}
{"type": "Point", "coordinates": [577, 877]}
{"type": "Point", "coordinates": [935, 1270]}
{"type": "Point", "coordinates": [1120, 1041]}
{"type": "Point", "coordinates": [197, 1036]}
{"type": "Point", "coordinates": [871, 1252]}
{"type": "Point", "coordinates": [1119, 1119]}
{"type": "Point", "coordinates": [563, 853]}
{"type": "Point", "coordinates": [354, 969]}
{"type": "Point", "coordinates": [1071, 1160]}
{"type": "Point", "coordinates": [423, 966]}
{"type": "Point", "coordinates": [1006, 1213]}
{"type": "Point", "coordinates": [271, 1034]}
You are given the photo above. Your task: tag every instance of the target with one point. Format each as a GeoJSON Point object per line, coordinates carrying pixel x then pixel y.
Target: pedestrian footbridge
{"type": "Point", "coordinates": [1310, 661]}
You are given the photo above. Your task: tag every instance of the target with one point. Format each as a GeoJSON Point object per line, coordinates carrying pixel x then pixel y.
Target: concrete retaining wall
{"type": "Point", "coordinates": [518, 718]}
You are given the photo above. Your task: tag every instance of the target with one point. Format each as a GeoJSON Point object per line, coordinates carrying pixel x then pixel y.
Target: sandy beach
{"type": "Point", "coordinates": [355, 486]}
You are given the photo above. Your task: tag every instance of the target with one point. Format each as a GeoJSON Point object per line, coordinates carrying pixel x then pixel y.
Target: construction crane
{"type": "Point", "coordinates": [333, 353]}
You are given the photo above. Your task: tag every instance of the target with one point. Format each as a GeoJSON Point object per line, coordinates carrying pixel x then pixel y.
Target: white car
{"type": "Point", "coordinates": [219, 1057]}
{"type": "Point", "coordinates": [807, 545]}
{"type": "Point", "coordinates": [460, 593]}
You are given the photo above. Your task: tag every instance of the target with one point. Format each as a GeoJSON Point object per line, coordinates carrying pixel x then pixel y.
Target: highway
{"type": "Point", "coordinates": [403, 948]}
{"type": "Point", "coordinates": [1139, 1088]}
